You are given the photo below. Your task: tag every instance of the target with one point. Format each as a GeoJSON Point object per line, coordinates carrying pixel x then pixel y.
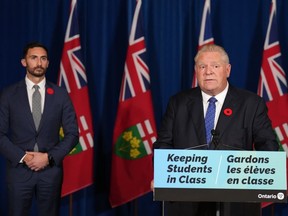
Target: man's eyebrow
{"type": "Point", "coordinates": [33, 55]}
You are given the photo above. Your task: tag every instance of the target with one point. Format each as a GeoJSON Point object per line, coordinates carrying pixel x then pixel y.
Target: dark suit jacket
{"type": "Point", "coordinates": [243, 123]}
{"type": "Point", "coordinates": [18, 133]}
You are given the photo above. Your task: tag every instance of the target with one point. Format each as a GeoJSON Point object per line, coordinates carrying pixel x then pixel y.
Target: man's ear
{"type": "Point", "coordinates": [23, 62]}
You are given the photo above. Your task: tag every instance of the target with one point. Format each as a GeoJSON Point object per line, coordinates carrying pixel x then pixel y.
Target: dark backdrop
{"type": "Point", "coordinates": [171, 30]}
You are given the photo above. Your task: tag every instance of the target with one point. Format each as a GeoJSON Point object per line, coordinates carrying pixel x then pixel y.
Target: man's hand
{"type": "Point", "coordinates": [38, 162]}
{"type": "Point", "coordinates": [28, 157]}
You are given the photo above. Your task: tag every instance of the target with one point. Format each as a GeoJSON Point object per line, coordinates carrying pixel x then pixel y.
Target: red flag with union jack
{"type": "Point", "coordinates": [273, 84]}
{"type": "Point", "coordinates": [78, 165]}
{"type": "Point", "coordinates": [134, 129]}
{"type": "Point", "coordinates": [205, 36]}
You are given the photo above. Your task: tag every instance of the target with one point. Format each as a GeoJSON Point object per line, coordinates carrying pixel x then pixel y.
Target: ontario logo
{"type": "Point", "coordinates": [279, 196]}
{"type": "Point", "coordinates": [136, 141]}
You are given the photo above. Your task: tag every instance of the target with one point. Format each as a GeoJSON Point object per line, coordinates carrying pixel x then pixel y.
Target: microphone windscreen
{"type": "Point", "coordinates": [215, 132]}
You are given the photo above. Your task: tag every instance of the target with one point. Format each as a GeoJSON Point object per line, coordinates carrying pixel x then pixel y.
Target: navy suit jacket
{"type": "Point", "coordinates": [18, 133]}
{"type": "Point", "coordinates": [243, 122]}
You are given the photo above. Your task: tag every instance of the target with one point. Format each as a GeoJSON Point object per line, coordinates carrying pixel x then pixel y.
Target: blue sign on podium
{"type": "Point", "coordinates": [222, 176]}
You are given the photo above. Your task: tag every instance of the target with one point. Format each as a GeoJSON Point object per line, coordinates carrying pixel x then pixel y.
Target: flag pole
{"type": "Point", "coordinates": [135, 207]}
{"type": "Point", "coordinates": [71, 205]}
{"type": "Point", "coordinates": [272, 210]}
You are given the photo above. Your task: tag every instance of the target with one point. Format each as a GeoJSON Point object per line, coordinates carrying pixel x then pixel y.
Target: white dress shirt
{"type": "Point", "coordinates": [219, 103]}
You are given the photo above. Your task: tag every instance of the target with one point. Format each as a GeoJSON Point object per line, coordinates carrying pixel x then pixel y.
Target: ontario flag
{"type": "Point", "coordinates": [78, 165]}
{"type": "Point", "coordinates": [205, 36]}
{"type": "Point", "coordinates": [273, 84]}
{"type": "Point", "coordinates": [134, 129]}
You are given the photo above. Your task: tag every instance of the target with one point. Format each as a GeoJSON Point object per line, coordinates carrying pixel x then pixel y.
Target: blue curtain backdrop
{"type": "Point", "coordinates": [171, 28]}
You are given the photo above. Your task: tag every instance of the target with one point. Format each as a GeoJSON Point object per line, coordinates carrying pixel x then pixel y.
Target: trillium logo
{"type": "Point", "coordinates": [280, 196]}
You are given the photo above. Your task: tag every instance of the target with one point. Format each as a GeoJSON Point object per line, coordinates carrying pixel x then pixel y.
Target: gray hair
{"type": "Point", "coordinates": [213, 48]}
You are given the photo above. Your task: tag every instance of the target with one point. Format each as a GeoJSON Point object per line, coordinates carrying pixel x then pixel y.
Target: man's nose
{"type": "Point", "coordinates": [39, 62]}
{"type": "Point", "coordinates": [209, 70]}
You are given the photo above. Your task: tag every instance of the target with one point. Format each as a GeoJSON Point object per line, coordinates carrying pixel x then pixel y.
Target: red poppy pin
{"type": "Point", "coordinates": [50, 91]}
{"type": "Point", "coordinates": [228, 111]}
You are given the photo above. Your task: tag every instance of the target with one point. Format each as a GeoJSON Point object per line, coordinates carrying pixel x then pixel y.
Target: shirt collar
{"type": "Point", "coordinates": [30, 84]}
{"type": "Point", "coordinates": [220, 97]}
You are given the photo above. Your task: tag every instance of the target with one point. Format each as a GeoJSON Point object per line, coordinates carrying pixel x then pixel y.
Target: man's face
{"type": "Point", "coordinates": [36, 62]}
{"type": "Point", "coordinates": [212, 72]}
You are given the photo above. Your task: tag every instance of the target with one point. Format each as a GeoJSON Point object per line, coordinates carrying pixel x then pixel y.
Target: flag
{"type": "Point", "coordinates": [78, 165]}
{"type": "Point", "coordinates": [134, 129]}
{"type": "Point", "coordinates": [205, 36]}
{"type": "Point", "coordinates": [273, 84]}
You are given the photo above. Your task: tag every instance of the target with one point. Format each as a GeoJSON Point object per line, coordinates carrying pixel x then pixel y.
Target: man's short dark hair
{"type": "Point", "coordinates": [32, 45]}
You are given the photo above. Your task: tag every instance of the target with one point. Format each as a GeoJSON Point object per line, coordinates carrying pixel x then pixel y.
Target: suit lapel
{"type": "Point", "coordinates": [47, 103]}
{"type": "Point", "coordinates": [23, 97]}
{"type": "Point", "coordinates": [196, 114]}
{"type": "Point", "coordinates": [226, 114]}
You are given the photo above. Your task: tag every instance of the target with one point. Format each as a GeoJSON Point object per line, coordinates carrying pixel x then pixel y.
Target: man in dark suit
{"type": "Point", "coordinates": [240, 123]}
{"type": "Point", "coordinates": [33, 150]}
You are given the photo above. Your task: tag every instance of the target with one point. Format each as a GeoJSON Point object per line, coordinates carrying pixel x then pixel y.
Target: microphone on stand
{"type": "Point", "coordinates": [215, 137]}
{"type": "Point", "coordinates": [215, 141]}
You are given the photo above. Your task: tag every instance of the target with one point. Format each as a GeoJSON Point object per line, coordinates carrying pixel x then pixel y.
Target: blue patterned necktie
{"type": "Point", "coordinates": [36, 110]}
{"type": "Point", "coordinates": [209, 118]}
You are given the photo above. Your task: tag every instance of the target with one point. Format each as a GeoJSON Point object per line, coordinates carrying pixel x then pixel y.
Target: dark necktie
{"type": "Point", "coordinates": [209, 118]}
{"type": "Point", "coordinates": [36, 110]}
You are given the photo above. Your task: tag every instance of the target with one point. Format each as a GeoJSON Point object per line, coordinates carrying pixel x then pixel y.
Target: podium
{"type": "Point", "coordinates": [219, 176]}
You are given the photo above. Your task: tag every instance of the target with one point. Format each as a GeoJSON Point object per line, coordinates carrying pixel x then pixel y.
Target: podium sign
{"type": "Point", "coordinates": [221, 176]}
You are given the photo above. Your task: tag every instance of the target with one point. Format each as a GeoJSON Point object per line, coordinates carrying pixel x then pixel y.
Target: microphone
{"type": "Point", "coordinates": [215, 132]}
{"type": "Point", "coordinates": [215, 142]}
{"type": "Point", "coordinates": [215, 137]}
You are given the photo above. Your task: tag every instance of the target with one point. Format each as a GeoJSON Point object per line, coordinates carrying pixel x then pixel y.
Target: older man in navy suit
{"type": "Point", "coordinates": [31, 144]}
{"type": "Point", "coordinates": [240, 123]}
